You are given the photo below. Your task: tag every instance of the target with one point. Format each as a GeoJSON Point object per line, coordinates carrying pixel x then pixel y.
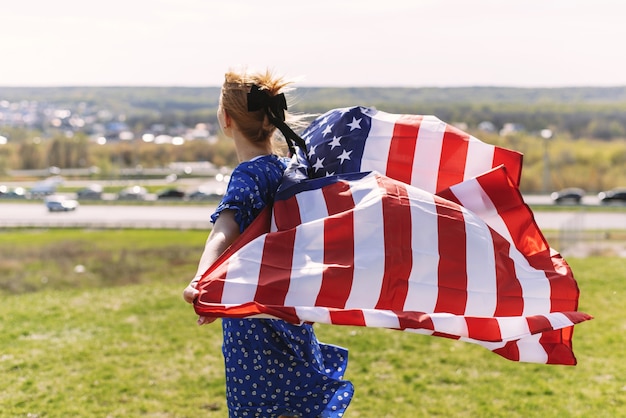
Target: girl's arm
{"type": "Point", "coordinates": [225, 231]}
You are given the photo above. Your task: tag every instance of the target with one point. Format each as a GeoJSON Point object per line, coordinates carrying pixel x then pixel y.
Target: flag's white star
{"type": "Point", "coordinates": [330, 173]}
{"type": "Point", "coordinates": [312, 150]}
{"type": "Point", "coordinates": [327, 130]}
{"type": "Point", "coordinates": [345, 155]}
{"type": "Point", "coordinates": [335, 142]}
{"type": "Point", "coordinates": [319, 164]}
{"type": "Point", "coordinates": [355, 124]}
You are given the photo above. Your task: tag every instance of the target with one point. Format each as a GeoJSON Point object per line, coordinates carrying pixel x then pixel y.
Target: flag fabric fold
{"type": "Point", "coordinates": [431, 237]}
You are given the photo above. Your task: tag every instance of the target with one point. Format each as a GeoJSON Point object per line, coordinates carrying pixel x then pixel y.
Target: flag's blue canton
{"type": "Point", "coordinates": [335, 142]}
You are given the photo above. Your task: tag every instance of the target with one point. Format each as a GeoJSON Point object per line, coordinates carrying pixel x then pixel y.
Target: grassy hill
{"type": "Point", "coordinates": [115, 339]}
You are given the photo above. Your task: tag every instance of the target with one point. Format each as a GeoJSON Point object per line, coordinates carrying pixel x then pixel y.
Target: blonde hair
{"type": "Point", "coordinates": [254, 125]}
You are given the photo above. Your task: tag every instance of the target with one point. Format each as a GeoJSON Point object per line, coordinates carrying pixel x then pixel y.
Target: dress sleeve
{"type": "Point", "coordinates": [244, 196]}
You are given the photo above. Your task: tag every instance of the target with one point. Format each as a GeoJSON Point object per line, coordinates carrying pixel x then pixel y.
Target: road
{"type": "Point", "coordinates": [108, 216]}
{"type": "Point", "coordinates": [197, 217]}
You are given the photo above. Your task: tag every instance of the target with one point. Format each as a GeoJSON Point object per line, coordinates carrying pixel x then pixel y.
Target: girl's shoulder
{"type": "Point", "coordinates": [261, 165]}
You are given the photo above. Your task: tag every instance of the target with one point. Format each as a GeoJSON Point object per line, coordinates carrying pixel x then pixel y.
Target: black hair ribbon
{"type": "Point", "coordinates": [275, 107]}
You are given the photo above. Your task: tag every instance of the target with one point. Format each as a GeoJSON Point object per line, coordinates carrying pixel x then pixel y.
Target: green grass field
{"type": "Point", "coordinates": [115, 339]}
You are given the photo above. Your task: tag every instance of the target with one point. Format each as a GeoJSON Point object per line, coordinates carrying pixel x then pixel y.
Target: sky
{"type": "Point", "coordinates": [323, 43]}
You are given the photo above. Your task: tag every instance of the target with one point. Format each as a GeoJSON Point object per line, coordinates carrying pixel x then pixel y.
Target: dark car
{"type": "Point", "coordinates": [133, 193]}
{"type": "Point", "coordinates": [171, 194]}
{"type": "Point", "coordinates": [613, 196]}
{"type": "Point", "coordinates": [93, 191]}
{"type": "Point", "coordinates": [568, 195]}
{"type": "Point", "coordinates": [205, 194]}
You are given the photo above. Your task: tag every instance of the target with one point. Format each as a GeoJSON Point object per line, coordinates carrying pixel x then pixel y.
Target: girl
{"type": "Point", "coordinates": [273, 368]}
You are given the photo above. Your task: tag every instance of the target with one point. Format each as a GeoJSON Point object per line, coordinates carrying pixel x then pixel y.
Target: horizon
{"type": "Point", "coordinates": [320, 87]}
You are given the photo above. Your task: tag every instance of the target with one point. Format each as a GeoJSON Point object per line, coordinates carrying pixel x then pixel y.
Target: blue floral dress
{"type": "Point", "coordinates": [273, 367]}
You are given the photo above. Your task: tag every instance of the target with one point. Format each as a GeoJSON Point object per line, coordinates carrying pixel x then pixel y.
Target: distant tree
{"type": "Point", "coordinates": [30, 156]}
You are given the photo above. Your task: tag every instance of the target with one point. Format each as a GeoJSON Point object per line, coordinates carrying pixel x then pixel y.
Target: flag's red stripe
{"type": "Point", "coordinates": [249, 309]}
{"type": "Point", "coordinates": [397, 228]}
{"type": "Point", "coordinates": [414, 320]}
{"type": "Point", "coordinates": [556, 343]}
{"type": "Point", "coordinates": [509, 297]}
{"type": "Point", "coordinates": [212, 291]}
{"type": "Point", "coordinates": [538, 324]}
{"type": "Point", "coordinates": [517, 216]}
{"type": "Point", "coordinates": [402, 148]}
{"type": "Point", "coordinates": [338, 246]}
{"type": "Point", "coordinates": [347, 317]}
{"type": "Point", "coordinates": [275, 270]}
{"type": "Point", "coordinates": [509, 351]}
{"type": "Point", "coordinates": [564, 290]}
{"type": "Point", "coordinates": [452, 273]}
{"type": "Point", "coordinates": [445, 335]}
{"type": "Point", "coordinates": [483, 329]}
{"type": "Point", "coordinates": [558, 346]}
{"type": "Point", "coordinates": [529, 240]}
{"type": "Point", "coordinates": [211, 284]}
{"type": "Point", "coordinates": [287, 214]}
{"type": "Point", "coordinates": [453, 158]}
{"type": "Point", "coordinates": [512, 160]}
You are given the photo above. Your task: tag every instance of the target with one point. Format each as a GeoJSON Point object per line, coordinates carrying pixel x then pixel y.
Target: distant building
{"type": "Point", "coordinates": [511, 128]}
{"type": "Point", "coordinates": [486, 126]}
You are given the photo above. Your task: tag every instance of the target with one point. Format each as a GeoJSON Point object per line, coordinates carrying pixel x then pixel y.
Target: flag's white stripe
{"type": "Point", "coordinates": [513, 328]}
{"type": "Point", "coordinates": [535, 286]}
{"type": "Point", "coordinates": [313, 314]}
{"type": "Point", "coordinates": [449, 324]}
{"type": "Point", "coordinates": [307, 264]}
{"type": "Point", "coordinates": [530, 350]}
{"type": "Point", "coordinates": [536, 290]}
{"type": "Point", "coordinates": [311, 206]}
{"type": "Point", "coordinates": [242, 277]}
{"type": "Point", "coordinates": [376, 150]}
{"type": "Point", "coordinates": [480, 267]}
{"type": "Point", "coordinates": [369, 244]}
{"type": "Point", "coordinates": [273, 227]}
{"type": "Point", "coordinates": [428, 154]}
{"type": "Point", "coordinates": [423, 283]}
{"type": "Point", "coordinates": [559, 321]}
{"type": "Point", "coordinates": [479, 158]}
{"type": "Point", "coordinates": [380, 318]}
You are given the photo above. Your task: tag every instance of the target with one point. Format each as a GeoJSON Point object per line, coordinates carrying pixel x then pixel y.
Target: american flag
{"type": "Point", "coordinates": [422, 151]}
{"type": "Point", "coordinates": [359, 246]}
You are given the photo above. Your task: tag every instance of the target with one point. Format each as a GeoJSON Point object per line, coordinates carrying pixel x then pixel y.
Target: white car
{"type": "Point", "coordinates": [56, 203]}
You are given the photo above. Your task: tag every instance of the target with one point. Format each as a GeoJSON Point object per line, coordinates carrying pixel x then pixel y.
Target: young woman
{"type": "Point", "coordinates": [273, 368]}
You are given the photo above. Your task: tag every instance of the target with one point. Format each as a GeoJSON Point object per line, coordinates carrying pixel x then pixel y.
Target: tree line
{"type": "Point", "coordinates": [587, 149]}
{"type": "Point", "coordinates": [576, 112]}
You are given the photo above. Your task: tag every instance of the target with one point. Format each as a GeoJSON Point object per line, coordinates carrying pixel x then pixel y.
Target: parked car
{"type": "Point", "coordinates": [568, 195]}
{"type": "Point", "coordinates": [171, 194]}
{"type": "Point", "coordinates": [93, 191]}
{"type": "Point", "coordinates": [202, 194]}
{"type": "Point", "coordinates": [613, 196]}
{"type": "Point", "coordinates": [56, 203]}
{"type": "Point", "coordinates": [133, 193]}
{"type": "Point", "coordinates": [14, 193]}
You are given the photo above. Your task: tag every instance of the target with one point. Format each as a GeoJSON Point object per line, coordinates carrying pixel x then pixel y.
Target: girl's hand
{"type": "Point", "coordinates": [190, 293]}
{"type": "Point", "coordinates": [202, 320]}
